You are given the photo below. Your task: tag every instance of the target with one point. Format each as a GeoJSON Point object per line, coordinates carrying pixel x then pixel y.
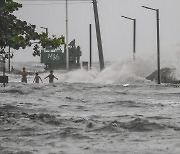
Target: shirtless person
{"type": "Point", "coordinates": [37, 78]}
{"type": "Point", "coordinates": [24, 75]}
{"type": "Point", "coordinates": [51, 77]}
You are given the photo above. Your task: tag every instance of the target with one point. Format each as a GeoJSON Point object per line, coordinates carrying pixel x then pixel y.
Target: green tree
{"type": "Point", "coordinates": [45, 41]}
{"type": "Point", "coordinates": [17, 34]}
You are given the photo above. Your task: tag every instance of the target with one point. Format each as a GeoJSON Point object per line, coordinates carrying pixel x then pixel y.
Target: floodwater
{"type": "Point", "coordinates": [90, 112]}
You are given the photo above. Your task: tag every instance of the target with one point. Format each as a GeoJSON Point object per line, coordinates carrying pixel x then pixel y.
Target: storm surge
{"type": "Point", "coordinates": [117, 73]}
{"type": "Point", "coordinates": [124, 72]}
{"type": "Point", "coordinates": [85, 117]}
{"type": "Point", "coordinates": [113, 111]}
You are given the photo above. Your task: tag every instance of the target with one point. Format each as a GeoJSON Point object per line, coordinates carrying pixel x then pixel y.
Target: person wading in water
{"type": "Point", "coordinates": [37, 78]}
{"type": "Point", "coordinates": [51, 77]}
{"type": "Point", "coordinates": [24, 75]}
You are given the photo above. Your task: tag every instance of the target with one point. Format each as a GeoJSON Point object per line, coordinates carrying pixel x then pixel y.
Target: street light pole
{"type": "Point", "coordinates": [67, 51]}
{"type": "Point", "coordinates": [158, 42]}
{"type": "Point", "coordinates": [158, 46]}
{"type": "Point", "coordinates": [90, 46]}
{"type": "Point", "coordinates": [46, 30]}
{"type": "Point", "coordinates": [4, 70]}
{"type": "Point", "coordinates": [134, 35]}
{"type": "Point", "coordinates": [134, 44]}
{"type": "Point", "coordinates": [9, 59]}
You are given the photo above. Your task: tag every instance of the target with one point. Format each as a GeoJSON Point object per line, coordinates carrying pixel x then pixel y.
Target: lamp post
{"type": "Point", "coordinates": [3, 78]}
{"type": "Point", "coordinates": [134, 34]}
{"type": "Point", "coordinates": [90, 46]}
{"type": "Point", "coordinates": [4, 70]}
{"type": "Point", "coordinates": [9, 58]}
{"type": "Point", "coordinates": [46, 30]}
{"type": "Point", "coordinates": [67, 51]}
{"type": "Point", "coordinates": [158, 42]}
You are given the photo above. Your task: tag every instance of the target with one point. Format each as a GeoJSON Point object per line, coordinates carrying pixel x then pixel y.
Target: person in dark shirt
{"type": "Point", "coordinates": [51, 77]}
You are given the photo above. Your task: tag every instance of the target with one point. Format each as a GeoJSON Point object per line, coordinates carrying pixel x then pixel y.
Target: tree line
{"type": "Point", "coordinates": [16, 34]}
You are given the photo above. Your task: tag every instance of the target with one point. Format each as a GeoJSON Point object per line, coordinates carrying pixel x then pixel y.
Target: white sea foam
{"type": "Point", "coordinates": [119, 73]}
{"type": "Point", "coordinates": [127, 71]}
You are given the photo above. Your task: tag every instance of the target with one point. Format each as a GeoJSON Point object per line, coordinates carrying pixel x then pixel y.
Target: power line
{"type": "Point", "coordinates": [56, 0]}
{"type": "Point", "coordinates": [60, 2]}
{"type": "Point", "coordinates": [57, 3]}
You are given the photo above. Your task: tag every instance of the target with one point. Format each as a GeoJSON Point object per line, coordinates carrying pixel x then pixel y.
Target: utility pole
{"type": "Point", "coordinates": [90, 46]}
{"type": "Point", "coordinates": [67, 52]}
{"type": "Point", "coordinates": [4, 70]}
{"type": "Point", "coordinates": [9, 59]}
{"type": "Point", "coordinates": [45, 29]}
{"type": "Point", "coordinates": [98, 34]}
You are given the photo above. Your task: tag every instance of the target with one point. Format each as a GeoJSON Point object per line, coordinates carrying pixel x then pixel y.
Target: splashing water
{"type": "Point", "coordinates": [117, 73]}
{"type": "Point", "coordinates": [80, 113]}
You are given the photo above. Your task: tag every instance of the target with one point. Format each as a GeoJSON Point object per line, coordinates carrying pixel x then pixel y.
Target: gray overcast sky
{"type": "Point", "coordinates": [117, 32]}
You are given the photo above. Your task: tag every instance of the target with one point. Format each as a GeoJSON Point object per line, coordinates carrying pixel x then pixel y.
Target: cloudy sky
{"type": "Point", "coordinates": [117, 32]}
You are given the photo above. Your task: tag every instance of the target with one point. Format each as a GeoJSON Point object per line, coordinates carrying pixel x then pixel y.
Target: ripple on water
{"type": "Point", "coordinates": [136, 125]}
